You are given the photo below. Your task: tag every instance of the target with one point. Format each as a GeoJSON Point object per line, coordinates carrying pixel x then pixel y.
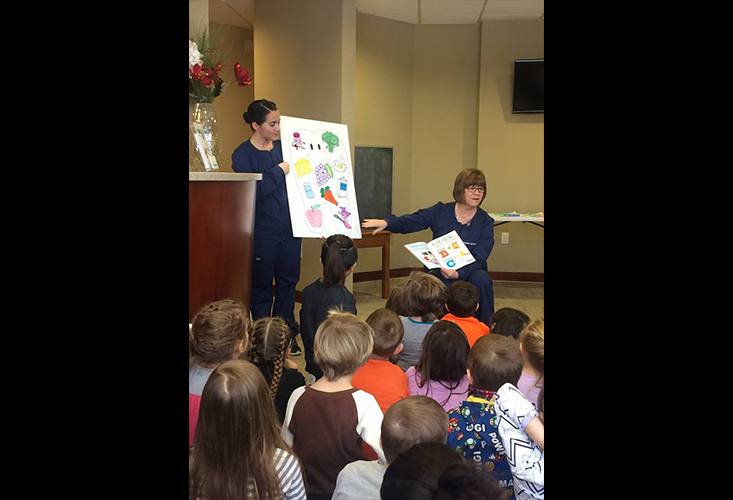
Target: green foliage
{"type": "Point", "coordinates": [331, 140]}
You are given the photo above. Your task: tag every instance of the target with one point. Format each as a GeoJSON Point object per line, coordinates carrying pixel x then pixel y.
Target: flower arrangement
{"type": "Point", "coordinates": [204, 82]}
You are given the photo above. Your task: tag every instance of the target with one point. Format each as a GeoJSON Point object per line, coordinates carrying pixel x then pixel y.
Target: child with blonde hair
{"type": "Point", "coordinates": [219, 332]}
{"type": "Point", "coordinates": [532, 345]}
{"type": "Point", "coordinates": [269, 352]}
{"type": "Point", "coordinates": [238, 451]}
{"type": "Point", "coordinates": [422, 300]}
{"type": "Point", "coordinates": [327, 422]}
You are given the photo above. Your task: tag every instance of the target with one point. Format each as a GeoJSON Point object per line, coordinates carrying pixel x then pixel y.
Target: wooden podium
{"type": "Point", "coordinates": [221, 210]}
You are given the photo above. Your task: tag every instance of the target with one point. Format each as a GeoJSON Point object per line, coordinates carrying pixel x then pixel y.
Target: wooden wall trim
{"type": "Point", "coordinates": [510, 276]}
{"type": "Point", "coordinates": [405, 271]}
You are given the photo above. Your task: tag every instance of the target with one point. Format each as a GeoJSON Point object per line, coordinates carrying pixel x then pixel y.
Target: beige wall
{"type": "Point", "coordinates": [232, 44]}
{"type": "Point", "coordinates": [384, 83]}
{"type": "Point", "coordinates": [198, 17]}
{"type": "Point", "coordinates": [445, 115]}
{"type": "Point", "coordinates": [298, 56]}
{"type": "Point", "coordinates": [303, 64]}
{"type": "Point", "coordinates": [417, 91]}
{"type": "Point", "coordinates": [511, 146]}
{"type": "Point", "coordinates": [440, 95]}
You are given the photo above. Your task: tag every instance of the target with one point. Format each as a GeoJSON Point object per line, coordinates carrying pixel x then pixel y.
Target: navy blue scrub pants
{"type": "Point", "coordinates": [481, 279]}
{"type": "Point", "coordinates": [278, 258]}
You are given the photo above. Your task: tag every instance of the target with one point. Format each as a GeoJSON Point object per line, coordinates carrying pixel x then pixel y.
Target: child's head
{"type": "Point", "coordinates": [429, 471]}
{"type": "Point", "coordinates": [343, 343]}
{"type": "Point", "coordinates": [236, 431]}
{"type": "Point", "coordinates": [388, 332]}
{"type": "Point", "coordinates": [268, 348]}
{"type": "Point", "coordinates": [462, 298]}
{"type": "Point", "coordinates": [509, 322]}
{"type": "Point", "coordinates": [493, 362]}
{"type": "Point", "coordinates": [425, 296]}
{"type": "Point", "coordinates": [338, 256]}
{"type": "Point", "coordinates": [413, 420]}
{"type": "Point", "coordinates": [235, 407]}
{"type": "Point", "coordinates": [444, 354]}
{"type": "Point", "coordinates": [219, 331]}
{"type": "Point", "coordinates": [397, 300]}
{"type": "Point", "coordinates": [532, 343]}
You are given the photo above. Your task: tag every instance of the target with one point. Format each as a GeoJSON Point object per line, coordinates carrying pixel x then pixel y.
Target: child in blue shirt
{"type": "Point", "coordinates": [476, 426]}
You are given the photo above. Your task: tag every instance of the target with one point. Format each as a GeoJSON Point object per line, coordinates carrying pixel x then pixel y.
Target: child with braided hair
{"type": "Point", "coordinates": [269, 343]}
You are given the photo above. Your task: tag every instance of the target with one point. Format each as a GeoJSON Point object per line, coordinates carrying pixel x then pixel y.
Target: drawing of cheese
{"type": "Point", "coordinates": [303, 167]}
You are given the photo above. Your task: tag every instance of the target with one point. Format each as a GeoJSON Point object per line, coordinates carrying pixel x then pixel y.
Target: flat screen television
{"type": "Point", "coordinates": [529, 86]}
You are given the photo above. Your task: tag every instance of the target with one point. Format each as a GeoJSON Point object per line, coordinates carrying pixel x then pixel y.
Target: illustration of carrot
{"type": "Point", "coordinates": [327, 195]}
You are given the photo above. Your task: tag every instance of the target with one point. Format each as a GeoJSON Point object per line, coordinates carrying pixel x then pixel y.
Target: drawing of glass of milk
{"type": "Point", "coordinates": [342, 187]}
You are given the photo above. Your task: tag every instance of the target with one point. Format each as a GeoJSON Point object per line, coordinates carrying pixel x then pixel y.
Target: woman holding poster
{"type": "Point", "coordinates": [276, 251]}
{"type": "Point", "coordinates": [473, 225]}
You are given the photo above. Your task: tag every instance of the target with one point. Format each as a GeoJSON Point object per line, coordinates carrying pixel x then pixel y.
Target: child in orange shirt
{"type": "Point", "coordinates": [380, 377]}
{"type": "Point", "coordinates": [462, 303]}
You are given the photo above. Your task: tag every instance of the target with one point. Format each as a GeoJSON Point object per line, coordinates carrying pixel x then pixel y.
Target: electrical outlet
{"type": "Point", "coordinates": [504, 238]}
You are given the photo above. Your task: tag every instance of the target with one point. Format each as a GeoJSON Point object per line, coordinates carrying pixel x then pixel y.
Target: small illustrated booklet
{"type": "Point", "coordinates": [448, 251]}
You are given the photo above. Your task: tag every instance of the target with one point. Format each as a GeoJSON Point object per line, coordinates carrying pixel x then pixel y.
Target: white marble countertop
{"type": "Point", "coordinates": [222, 176]}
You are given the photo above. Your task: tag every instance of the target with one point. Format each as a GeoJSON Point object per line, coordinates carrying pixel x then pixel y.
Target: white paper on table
{"type": "Point", "coordinates": [320, 162]}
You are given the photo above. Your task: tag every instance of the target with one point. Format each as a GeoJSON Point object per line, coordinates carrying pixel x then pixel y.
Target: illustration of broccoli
{"type": "Point", "coordinates": [331, 140]}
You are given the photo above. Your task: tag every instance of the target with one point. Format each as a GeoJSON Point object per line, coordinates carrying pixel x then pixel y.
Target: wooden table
{"type": "Point", "coordinates": [381, 239]}
{"type": "Point", "coordinates": [535, 219]}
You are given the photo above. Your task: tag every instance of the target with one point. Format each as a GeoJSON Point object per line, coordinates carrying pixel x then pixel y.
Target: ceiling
{"type": "Point", "coordinates": [241, 12]}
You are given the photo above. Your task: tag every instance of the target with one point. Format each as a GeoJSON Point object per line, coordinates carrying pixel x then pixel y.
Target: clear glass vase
{"type": "Point", "coordinates": [203, 146]}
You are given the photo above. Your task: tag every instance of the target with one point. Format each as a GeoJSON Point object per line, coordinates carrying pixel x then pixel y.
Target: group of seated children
{"type": "Point", "coordinates": [411, 403]}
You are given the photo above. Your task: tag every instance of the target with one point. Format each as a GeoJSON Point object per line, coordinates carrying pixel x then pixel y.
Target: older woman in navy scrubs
{"type": "Point", "coordinates": [473, 225]}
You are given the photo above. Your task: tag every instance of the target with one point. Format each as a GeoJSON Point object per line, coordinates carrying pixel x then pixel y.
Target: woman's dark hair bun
{"type": "Point", "coordinates": [246, 117]}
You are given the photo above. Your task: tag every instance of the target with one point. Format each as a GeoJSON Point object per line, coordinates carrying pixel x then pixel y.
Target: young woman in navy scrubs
{"type": "Point", "coordinates": [276, 251]}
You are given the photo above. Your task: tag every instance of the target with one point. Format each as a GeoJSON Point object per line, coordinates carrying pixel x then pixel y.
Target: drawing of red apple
{"type": "Point", "coordinates": [314, 216]}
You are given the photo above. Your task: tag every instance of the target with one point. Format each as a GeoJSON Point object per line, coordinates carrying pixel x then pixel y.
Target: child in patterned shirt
{"type": "Point", "coordinates": [475, 427]}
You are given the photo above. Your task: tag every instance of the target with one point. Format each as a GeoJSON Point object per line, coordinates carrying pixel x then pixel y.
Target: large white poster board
{"type": "Point", "coordinates": [320, 183]}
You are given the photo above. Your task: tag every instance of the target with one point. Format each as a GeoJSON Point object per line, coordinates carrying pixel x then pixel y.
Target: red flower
{"type": "Point", "coordinates": [242, 75]}
{"type": "Point", "coordinates": [205, 75]}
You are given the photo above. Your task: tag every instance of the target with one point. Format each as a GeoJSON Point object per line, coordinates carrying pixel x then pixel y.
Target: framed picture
{"type": "Point", "coordinates": [202, 146]}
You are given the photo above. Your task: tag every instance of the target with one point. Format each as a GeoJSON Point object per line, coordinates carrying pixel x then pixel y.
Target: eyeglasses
{"type": "Point", "coordinates": [475, 189]}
